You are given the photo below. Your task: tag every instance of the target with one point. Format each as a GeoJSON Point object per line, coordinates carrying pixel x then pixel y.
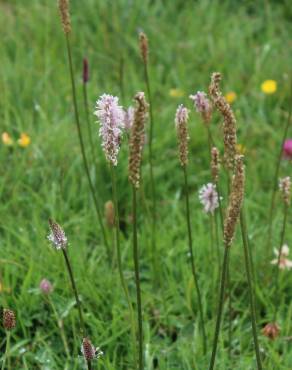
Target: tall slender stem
{"type": "Point", "coordinates": [250, 291]}
{"type": "Point", "coordinates": [119, 258]}
{"type": "Point", "coordinates": [283, 230]}
{"type": "Point", "coordinates": [60, 326]}
{"type": "Point", "coordinates": [86, 108]}
{"type": "Point", "coordinates": [152, 183]}
{"type": "Point", "coordinates": [220, 307]}
{"type": "Point", "coordinates": [74, 288]}
{"type": "Point", "coordinates": [6, 354]}
{"type": "Point", "coordinates": [137, 279]}
{"type": "Point", "coordinates": [277, 169]}
{"type": "Point", "coordinates": [86, 168]}
{"type": "Point", "coordinates": [188, 219]}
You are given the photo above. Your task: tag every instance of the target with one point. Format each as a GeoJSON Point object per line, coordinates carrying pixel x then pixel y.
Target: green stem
{"type": "Point", "coordinates": [119, 258]}
{"type": "Point", "coordinates": [220, 307]}
{"type": "Point", "coordinates": [282, 236]}
{"type": "Point", "coordinates": [6, 354]}
{"type": "Point", "coordinates": [137, 279]}
{"type": "Point", "coordinates": [74, 288]}
{"type": "Point", "coordinates": [188, 219]}
{"type": "Point", "coordinates": [86, 108]}
{"type": "Point", "coordinates": [217, 240]}
{"type": "Point", "coordinates": [155, 257]}
{"type": "Point", "coordinates": [86, 168]}
{"type": "Point", "coordinates": [276, 175]}
{"type": "Point", "coordinates": [229, 309]}
{"type": "Point", "coordinates": [250, 290]}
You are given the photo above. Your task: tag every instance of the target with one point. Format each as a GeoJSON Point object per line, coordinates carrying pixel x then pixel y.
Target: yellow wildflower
{"type": "Point", "coordinates": [176, 93]}
{"type": "Point", "coordinates": [24, 140]}
{"type": "Point", "coordinates": [269, 86]}
{"type": "Point", "coordinates": [230, 97]}
{"type": "Point", "coordinates": [6, 139]}
{"type": "Point", "coordinates": [240, 149]}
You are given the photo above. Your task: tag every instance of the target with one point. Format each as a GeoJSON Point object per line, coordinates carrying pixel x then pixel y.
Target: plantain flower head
{"type": "Point", "coordinates": [181, 120]}
{"type": "Point", "coordinates": [202, 105]}
{"type": "Point", "coordinates": [209, 197]}
{"type": "Point", "coordinates": [89, 351]}
{"type": "Point", "coordinates": [111, 118]}
{"type": "Point", "coordinates": [57, 236]}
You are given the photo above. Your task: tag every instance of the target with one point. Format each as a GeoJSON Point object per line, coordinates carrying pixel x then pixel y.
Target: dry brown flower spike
{"type": "Point", "coordinates": [9, 320]}
{"type": "Point", "coordinates": [137, 139]}
{"type": "Point", "coordinates": [65, 15]}
{"type": "Point", "coordinates": [215, 164]}
{"type": "Point", "coordinates": [229, 124]}
{"type": "Point", "coordinates": [235, 201]}
{"type": "Point", "coordinates": [181, 120]}
{"type": "Point", "coordinates": [143, 43]}
{"type": "Point", "coordinates": [109, 212]}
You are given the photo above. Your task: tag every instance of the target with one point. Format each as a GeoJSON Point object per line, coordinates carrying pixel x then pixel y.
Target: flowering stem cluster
{"type": "Point", "coordinates": [85, 163]}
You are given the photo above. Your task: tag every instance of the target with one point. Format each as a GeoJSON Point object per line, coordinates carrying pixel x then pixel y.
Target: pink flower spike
{"type": "Point", "coordinates": [209, 197]}
{"type": "Point", "coordinates": [287, 149]}
{"type": "Point", "coordinates": [111, 118]}
{"type": "Point", "coordinates": [46, 287]}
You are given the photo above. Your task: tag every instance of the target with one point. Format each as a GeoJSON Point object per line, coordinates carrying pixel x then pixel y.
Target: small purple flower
{"type": "Point", "coordinates": [129, 118]}
{"type": "Point", "coordinates": [202, 105]}
{"type": "Point", "coordinates": [209, 197]}
{"type": "Point", "coordinates": [287, 149]}
{"type": "Point", "coordinates": [85, 71]}
{"type": "Point", "coordinates": [111, 117]}
{"type": "Point", "coordinates": [46, 287]}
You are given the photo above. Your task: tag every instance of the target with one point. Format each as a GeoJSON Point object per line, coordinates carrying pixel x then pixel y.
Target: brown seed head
{"type": "Point", "coordinates": [9, 320]}
{"type": "Point", "coordinates": [143, 43]}
{"type": "Point", "coordinates": [65, 15]}
{"type": "Point", "coordinates": [181, 120]}
{"type": "Point", "coordinates": [271, 330]}
{"type": "Point", "coordinates": [88, 349]}
{"type": "Point", "coordinates": [285, 188]}
{"type": "Point", "coordinates": [229, 123]}
{"type": "Point", "coordinates": [215, 164]}
{"type": "Point", "coordinates": [109, 212]}
{"type": "Point", "coordinates": [235, 201]}
{"type": "Point", "coordinates": [137, 139]}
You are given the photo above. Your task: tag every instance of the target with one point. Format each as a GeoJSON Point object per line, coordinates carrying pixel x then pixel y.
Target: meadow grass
{"type": "Point", "coordinates": [248, 42]}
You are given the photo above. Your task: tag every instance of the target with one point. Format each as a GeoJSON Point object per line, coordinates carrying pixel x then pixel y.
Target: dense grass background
{"type": "Point", "coordinates": [248, 42]}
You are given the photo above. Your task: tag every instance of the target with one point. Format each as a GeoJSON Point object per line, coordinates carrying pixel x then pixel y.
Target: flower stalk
{"type": "Point", "coordinates": [86, 108]}
{"type": "Point", "coordinates": [65, 19]}
{"type": "Point", "coordinates": [144, 49]}
{"type": "Point", "coordinates": [119, 260]}
{"type": "Point", "coordinates": [194, 273]}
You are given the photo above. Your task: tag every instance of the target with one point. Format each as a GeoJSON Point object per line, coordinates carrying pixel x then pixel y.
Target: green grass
{"type": "Point", "coordinates": [248, 42]}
